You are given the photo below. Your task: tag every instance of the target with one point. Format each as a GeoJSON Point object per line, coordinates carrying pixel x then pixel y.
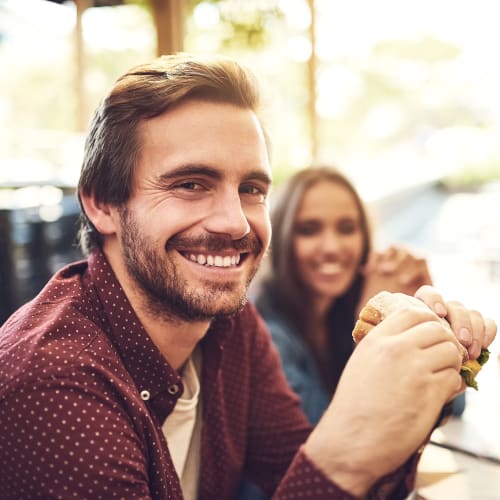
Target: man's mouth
{"type": "Point", "coordinates": [210, 260]}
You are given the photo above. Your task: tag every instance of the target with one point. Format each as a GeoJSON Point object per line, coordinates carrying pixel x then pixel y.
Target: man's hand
{"type": "Point", "coordinates": [392, 392]}
{"type": "Point", "coordinates": [471, 329]}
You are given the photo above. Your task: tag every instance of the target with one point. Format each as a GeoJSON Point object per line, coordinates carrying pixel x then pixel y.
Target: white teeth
{"type": "Point", "coordinates": [215, 260]}
{"type": "Point", "coordinates": [330, 267]}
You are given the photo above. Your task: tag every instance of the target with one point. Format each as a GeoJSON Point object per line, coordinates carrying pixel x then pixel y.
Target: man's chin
{"type": "Point", "coordinates": [226, 307]}
{"type": "Point", "coordinates": [207, 307]}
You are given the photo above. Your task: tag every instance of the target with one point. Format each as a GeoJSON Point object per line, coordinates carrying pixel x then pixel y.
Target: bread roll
{"type": "Point", "coordinates": [380, 306]}
{"type": "Point", "coordinates": [384, 303]}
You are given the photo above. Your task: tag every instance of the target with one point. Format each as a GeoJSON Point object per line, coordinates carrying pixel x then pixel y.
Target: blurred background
{"type": "Point", "coordinates": [401, 95]}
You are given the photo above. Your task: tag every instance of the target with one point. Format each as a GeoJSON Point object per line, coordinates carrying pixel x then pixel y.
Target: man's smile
{"type": "Point", "coordinates": [215, 260]}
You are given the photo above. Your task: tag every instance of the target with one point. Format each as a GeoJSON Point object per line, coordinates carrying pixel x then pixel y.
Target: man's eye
{"type": "Point", "coordinates": [254, 191]}
{"type": "Point", "coordinates": [190, 186]}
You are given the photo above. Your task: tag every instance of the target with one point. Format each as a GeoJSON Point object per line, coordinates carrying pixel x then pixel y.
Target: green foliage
{"type": "Point", "coordinates": [245, 23]}
{"type": "Point", "coordinates": [473, 176]}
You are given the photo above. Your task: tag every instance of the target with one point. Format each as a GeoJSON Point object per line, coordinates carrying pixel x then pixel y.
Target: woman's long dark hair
{"type": "Point", "coordinates": [280, 283]}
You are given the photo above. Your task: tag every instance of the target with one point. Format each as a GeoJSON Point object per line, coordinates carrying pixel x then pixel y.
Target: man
{"type": "Point", "coordinates": [142, 373]}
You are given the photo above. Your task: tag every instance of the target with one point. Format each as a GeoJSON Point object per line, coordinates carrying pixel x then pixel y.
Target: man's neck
{"type": "Point", "coordinates": [176, 340]}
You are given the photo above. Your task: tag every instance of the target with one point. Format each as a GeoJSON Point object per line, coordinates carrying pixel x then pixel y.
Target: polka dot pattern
{"type": "Point", "coordinates": [84, 392]}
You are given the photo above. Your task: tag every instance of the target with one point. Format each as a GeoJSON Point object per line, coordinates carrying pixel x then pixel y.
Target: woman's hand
{"type": "Point", "coordinates": [393, 270]}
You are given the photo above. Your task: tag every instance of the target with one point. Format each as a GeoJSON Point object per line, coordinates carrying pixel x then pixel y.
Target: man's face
{"type": "Point", "coordinates": [197, 226]}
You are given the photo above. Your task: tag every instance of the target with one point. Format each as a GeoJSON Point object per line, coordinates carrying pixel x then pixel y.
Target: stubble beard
{"type": "Point", "coordinates": [165, 293]}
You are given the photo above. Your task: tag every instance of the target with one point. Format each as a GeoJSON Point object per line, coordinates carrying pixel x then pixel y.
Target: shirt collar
{"type": "Point", "coordinates": [158, 384]}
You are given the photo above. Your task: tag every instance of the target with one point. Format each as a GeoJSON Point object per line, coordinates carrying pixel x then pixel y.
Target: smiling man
{"type": "Point", "coordinates": [195, 227]}
{"type": "Point", "coordinates": [142, 371]}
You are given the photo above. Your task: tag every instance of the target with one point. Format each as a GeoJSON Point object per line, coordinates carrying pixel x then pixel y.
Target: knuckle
{"type": "Point", "coordinates": [455, 304]}
{"type": "Point", "coordinates": [392, 348]}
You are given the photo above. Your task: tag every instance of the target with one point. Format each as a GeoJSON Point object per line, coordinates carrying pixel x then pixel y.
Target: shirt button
{"type": "Point", "coordinates": [173, 389]}
{"type": "Point", "coordinates": [145, 395]}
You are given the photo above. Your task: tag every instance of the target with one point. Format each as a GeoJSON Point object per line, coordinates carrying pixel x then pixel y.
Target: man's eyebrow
{"type": "Point", "coordinates": [207, 171]}
{"type": "Point", "coordinates": [187, 170]}
{"type": "Point", "coordinates": [260, 176]}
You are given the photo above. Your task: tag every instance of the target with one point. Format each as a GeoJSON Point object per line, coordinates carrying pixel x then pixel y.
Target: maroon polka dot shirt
{"type": "Point", "coordinates": [84, 392]}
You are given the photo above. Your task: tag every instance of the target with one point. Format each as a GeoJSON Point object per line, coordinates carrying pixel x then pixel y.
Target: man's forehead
{"type": "Point", "coordinates": [209, 134]}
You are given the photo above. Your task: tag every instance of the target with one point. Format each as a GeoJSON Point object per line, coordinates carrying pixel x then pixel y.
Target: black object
{"type": "Point", "coordinates": [33, 248]}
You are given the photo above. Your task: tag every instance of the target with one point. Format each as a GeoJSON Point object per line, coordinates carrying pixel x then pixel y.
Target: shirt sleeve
{"type": "Point", "coordinates": [305, 477]}
{"type": "Point", "coordinates": [62, 438]}
{"type": "Point", "coordinates": [279, 430]}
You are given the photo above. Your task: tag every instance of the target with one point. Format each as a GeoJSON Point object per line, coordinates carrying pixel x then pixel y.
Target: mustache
{"type": "Point", "coordinates": [213, 243]}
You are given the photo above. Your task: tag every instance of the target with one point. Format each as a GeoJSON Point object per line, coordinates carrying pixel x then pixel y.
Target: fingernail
{"type": "Point", "coordinates": [475, 349]}
{"type": "Point", "coordinates": [465, 336]}
{"type": "Point", "coordinates": [439, 309]}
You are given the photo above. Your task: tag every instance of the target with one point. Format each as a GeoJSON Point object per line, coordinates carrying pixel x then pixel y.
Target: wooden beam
{"type": "Point", "coordinates": [168, 17]}
{"type": "Point", "coordinates": [311, 73]}
{"type": "Point", "coordinates": [81, 122]}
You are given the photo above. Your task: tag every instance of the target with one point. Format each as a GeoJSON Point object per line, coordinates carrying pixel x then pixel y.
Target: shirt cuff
{"type": "Point", "coordinates": [304, 480]}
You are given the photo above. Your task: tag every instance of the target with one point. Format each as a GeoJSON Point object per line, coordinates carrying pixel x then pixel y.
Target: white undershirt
{"type": "Point", "coordinates": [182, 429]}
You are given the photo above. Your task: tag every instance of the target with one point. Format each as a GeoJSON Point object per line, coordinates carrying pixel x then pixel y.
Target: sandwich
{"type": "Point", "coordinates": [384, 303]}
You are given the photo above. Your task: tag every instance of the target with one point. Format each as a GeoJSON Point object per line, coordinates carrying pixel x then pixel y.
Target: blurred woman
{"type": "Point", "coordinates": [320, 272]}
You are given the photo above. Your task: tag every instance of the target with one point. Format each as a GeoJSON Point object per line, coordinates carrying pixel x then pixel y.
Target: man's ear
{"type": "Point", "coordinates": [103, 216]}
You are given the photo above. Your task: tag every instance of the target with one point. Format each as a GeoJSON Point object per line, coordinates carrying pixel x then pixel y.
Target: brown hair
{"type": "Point", "coordinates": [278, 288]}
{"type": "Point", "coordinates": [144, 92]}
{"type": "Point", "coordinates": [283, 213]}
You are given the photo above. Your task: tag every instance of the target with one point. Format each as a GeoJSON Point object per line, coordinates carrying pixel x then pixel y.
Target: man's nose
{"type": "Point", "coordinates": [227, 216]}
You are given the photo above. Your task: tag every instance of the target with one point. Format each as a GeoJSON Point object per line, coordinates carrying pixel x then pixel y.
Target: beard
{"type": "Point", "coordinates": [166, 293]}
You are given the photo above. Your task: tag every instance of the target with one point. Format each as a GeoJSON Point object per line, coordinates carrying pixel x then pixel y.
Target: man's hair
{"type": "Point", "coordinates": [144, 92]}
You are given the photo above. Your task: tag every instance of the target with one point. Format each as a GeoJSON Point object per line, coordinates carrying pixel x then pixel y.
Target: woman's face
{"type": "Point", "coordinates": [328, 240]}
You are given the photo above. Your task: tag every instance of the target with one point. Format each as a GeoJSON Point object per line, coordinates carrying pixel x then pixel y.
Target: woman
{"type": "Point", "coordinates": [320, 272]}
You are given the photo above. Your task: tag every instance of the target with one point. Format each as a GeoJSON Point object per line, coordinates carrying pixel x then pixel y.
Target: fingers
{"type": "Point", "coordinates": [463, 322]}
{"type": "Point", "coordinates": [410, 269]}
{"type": "Point", "coordinates": [490, 332]}
{"type": "Point", "coordinates": [403, 319]}
{"type": "Point", "coordinates": [384, 262]}
{"type": "Point", "coordinates": [396, 270]}
{"type": "Point", "coordinates": [389, 261]}
{"type": "Point", "coordinates": [414, 272]}
{"type": "Point", "coordinates": [429, 348]}
{"type": "Point", "coordinates": [443, 355]}
{"type": "Point", "coordinates": [433, 299]}
{"type": "Point", "coordinates": [432, 333]}
{"type": "Point", "coordinates": [471, 329]}
{"type": "Point", "coordinates": [451, 383]}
